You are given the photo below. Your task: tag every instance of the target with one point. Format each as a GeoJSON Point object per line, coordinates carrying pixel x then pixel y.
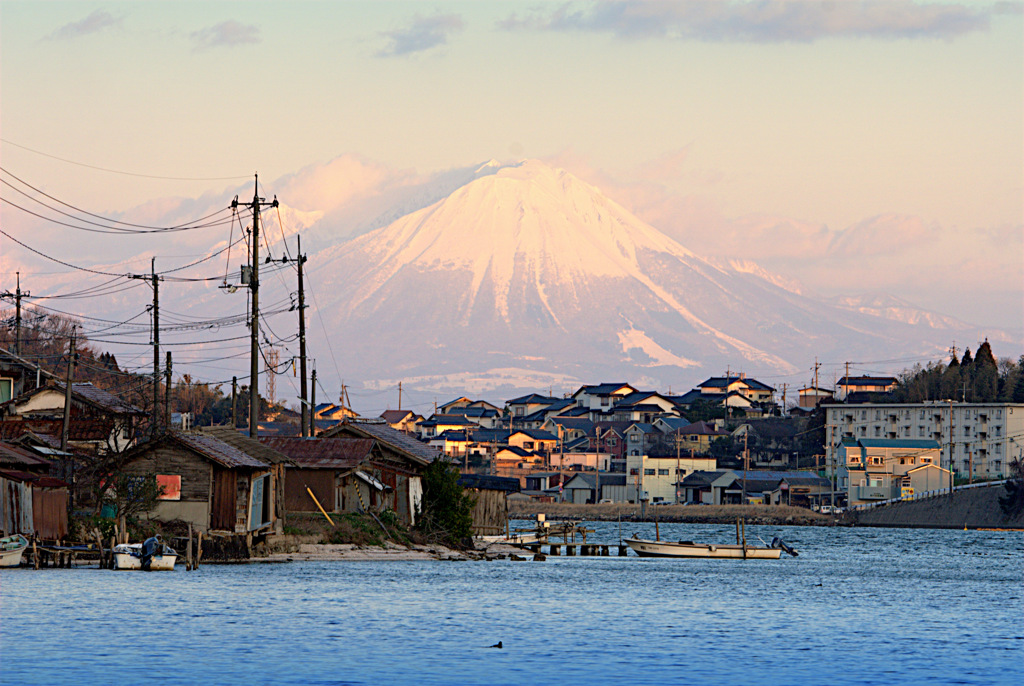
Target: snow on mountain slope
{"type": "Point", "coordinates": [530, 268]}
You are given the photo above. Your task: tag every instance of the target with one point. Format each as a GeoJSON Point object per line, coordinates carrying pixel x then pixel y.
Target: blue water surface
{"type": "Point", "coordinates": [858, 606]}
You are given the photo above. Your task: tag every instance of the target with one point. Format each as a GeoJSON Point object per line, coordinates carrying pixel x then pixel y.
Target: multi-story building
{"type": "Point", "coordinates": [977, 440]}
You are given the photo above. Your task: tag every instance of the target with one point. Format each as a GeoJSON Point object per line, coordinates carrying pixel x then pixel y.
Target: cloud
{"type": "Point", "coordinates": [767, 21]}
{"type": "Point", "coordinates": [423, 34]}
{"type": "Point", "coordinates": [94, 23]}
{"type": "Point", "coordinates": [227, 34]}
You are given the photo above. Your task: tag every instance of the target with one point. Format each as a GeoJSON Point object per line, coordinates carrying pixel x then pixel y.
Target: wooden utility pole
{"type": "Point", "coordinates": [167, 391]}
{"type": "Point", "coordinates": [17, 315]}
{"type": "Point", "coordinates": [303, 389]}
{"type": "Point", "coordinates": [950, 449]}
{"type": "Point", "coordinates": [67, 393]}
{"type": "Point", "coordinates": [312, 403]}
{"type": "Point", "coordinates": [234, 402]}
{"type": "Point", "coordinates": [254, 325]}
{"type": "Point", "coordinates": [399, 395]}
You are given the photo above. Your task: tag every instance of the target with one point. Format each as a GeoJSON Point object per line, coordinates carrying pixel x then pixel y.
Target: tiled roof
{"type": "Point", "coordinates": [15, 455]}
{"type": "Point", "coordinates": [537, 434]}
{"type": "Point", "coordinates": [243, 443]}
{"type": "Point", "coordinates": [722, 382]}
{"type": "Point", "coordinates": [533, 398]}
{"type": "Point", "coordinates": [323, 453]}
{"type": "Point", "coordinates": [602, 388]}
{"type": "Point", "coordinates": [101, 398]}
{"type": "Point", "coordinates": [393, 438]}
{"type": "Point", "coordinates": [868, 381]}
{"type": "Point", "coordinates": [395, 416]}
{"type": "Point", "coordinates": [210, 447]}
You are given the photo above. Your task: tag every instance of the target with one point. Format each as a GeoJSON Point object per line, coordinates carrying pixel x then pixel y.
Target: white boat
{"type": "Point", "coordinates": [648, 548]}
{"type": "Point", "coordinates": [11, 549]}
{"type": "Point", "coordinates": [152, 556]}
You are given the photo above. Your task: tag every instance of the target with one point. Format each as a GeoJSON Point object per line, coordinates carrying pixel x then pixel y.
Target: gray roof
{"type": "Point", "coordinates": [379, 430]}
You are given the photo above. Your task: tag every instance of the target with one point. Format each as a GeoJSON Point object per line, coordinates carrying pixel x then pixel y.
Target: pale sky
{"type": "Point", "coordinates": [857, 147]}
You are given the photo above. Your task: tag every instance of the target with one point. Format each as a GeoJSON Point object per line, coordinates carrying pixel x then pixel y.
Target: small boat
{"type": "Point", "coordinates": [151, 556]}
{"type": "Point", "coordinates": [739, 550]}
{"type": "Point", "coordinates": [11, 549]}
{"type": "Point", "coordinates": [648, 548]}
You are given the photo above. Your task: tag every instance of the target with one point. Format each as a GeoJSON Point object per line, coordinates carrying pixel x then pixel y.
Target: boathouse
{"type": "Point", "coordinates": [217, 481]}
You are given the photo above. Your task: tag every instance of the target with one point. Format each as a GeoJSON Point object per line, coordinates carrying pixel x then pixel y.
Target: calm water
{"type": "Point", "coordinates": [859, 606]}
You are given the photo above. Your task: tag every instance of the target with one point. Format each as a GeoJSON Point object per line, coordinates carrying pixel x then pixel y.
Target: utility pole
{"type": "Point", "coordinates": [234, 402]}
{"type": "Point", "coordinates": [746, 464]}
{"type": "Point", "coordinates": [303, 389]}
{"type": "Point", "coordinates": [254, 326]}
{"type": "Point", "coordinates": [312, 403]}
{"type": "Point", "coordinates": [399, 395]}
{"type": "Point", "coordinates": [950, 449]}
{"type": "Point", "coordinates": [67, 393]}
{"type": "Point", "coordinates": [167, 391]}
{"type": "Point", "coordinates": [17, 315]}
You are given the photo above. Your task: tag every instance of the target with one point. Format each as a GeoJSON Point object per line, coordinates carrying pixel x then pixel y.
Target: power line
{"type": "Point", "coordinates": [124, 173]}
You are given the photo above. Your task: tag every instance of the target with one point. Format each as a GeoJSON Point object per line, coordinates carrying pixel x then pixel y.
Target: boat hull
{"type": "Point", "coordinates": [129, 557]}
{"type": "Point", "coordinates": [12, 549]}
{"type": "Point", "coordinates": [648, 548]}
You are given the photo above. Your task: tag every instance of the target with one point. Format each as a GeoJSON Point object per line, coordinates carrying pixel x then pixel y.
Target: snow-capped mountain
{"type": "Point", "coordinates": [526, 277]}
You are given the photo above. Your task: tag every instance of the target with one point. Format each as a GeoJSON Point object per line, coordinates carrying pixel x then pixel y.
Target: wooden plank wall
{"type": "Point", "coordinates": [194, 470]}
{"type": "Point", "coordinates": [490, 514]}
{"type": "Point", "coordinates": [320, 481]}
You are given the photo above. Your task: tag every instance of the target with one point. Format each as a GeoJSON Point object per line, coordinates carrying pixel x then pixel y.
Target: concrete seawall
{"type": "Point", "coordinates": [975, 508]}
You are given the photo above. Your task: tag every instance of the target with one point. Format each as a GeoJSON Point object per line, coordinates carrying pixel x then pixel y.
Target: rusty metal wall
{"type": "Point", "coordinates": [50, 512]}
{"type": "Point", "coordinates": [320, 481]}
{"type": "Point", "coordinates": [16, 503]}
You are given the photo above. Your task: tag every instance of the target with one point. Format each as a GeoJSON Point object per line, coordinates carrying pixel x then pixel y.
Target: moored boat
{"type": "Point", "coordinates": [151, 556]}
{"type": "Point", "coordinates": [11, 550]}
{"type": "Point", "coordinates": [648, 548]}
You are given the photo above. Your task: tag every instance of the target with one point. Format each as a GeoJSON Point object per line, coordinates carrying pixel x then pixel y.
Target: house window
{"type": "Point", "coordinates": [612, 441]}
{"type": "Point", "coordinates": [527, 445]}
{"type": "Point", "coordinates": [648, 472]}
{"type": "Point", "coordinates": [662, 472]}
{"type": "Point", "coordinates": [878, 414]}
{"type": "Point", "coordinates": [920, 431]}
{"type": "Point", "coordinates": [634, 471]}
{"type": "Point", "coordinates": [633, 438]}
{"type": "Point", "coordinates": [876, 460]}
{"type": "Point", "coordinates": [6, 389]}
{"type": "Point", "coordinates": [878, 431]}
{"type": "Point", "coordinates": [967, 431]}
{"type": "Point", "coordinates": [922, 414]}
{"type": "Point", "coordinates": [680, 472]}
{"type": "Point", "coordinates": [999, 448]}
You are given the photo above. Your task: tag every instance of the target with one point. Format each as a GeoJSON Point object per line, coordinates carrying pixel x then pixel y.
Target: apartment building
{"type": "Point", "coordinates": [984, 437]}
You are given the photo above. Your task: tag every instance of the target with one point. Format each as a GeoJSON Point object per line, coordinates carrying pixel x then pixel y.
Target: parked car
{"type": "Point", "coordinates": [825, 509]}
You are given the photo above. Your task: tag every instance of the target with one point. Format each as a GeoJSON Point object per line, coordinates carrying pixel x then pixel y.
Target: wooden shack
{"type": "Point", "coordinates": [213, 484]}
{"type": "Point", "coordinates": [397, 465]}
{"type": "Point", "coordinates": [347, 475]}
{"type": "Point", "coordinates": [490, 514]}
{"type": "Point", "coordinates": [31, 501]}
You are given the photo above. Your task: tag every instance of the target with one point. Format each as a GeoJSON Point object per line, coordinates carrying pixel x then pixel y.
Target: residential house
{"type": "Point", "coordinates": [601, 398]}
{"type": "Point", "coordinates": [689, 437]}
{"type": "Point", "coordinates": [519, 408]}
{"type": "Point", "coordinates": [870, 469]}
{"type": "Point", "coordinates": [771, 441]}
{"type": "Point", "coordinates": [639, 438]}
{"type": "Point", "coordinates": [102, 422]}
{"type": "Point", "coordinates": [751, 389]}
{"type": "Point", "coordinates": [643, 406]}
{"type": "Point", "coordinates": [397, 448]}
{"type": "Point", "coordinates": [866, 384]}
{"type": "Point", "coordinates": [486, 417]}
{"type": "Point", "coordinates": [18, 375]}
{"type": "Point", "coordinates": [402, 420]}
{"type": "Point", "coordinates": [437, 424]}
{"type": "Point", "coordinates": [582, 487]}
{"type": "Point", "coordinates": [568, 429]}
{"type": "Point", "coordinates": [533, 440]}
{"type": "Point", "coordinates": [809, 398]}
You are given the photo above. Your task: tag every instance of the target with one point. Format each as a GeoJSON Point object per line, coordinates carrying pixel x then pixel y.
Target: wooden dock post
{"type": "Point", "coordinates": [35, 554]}
{"type": "Point", "coordinates": [199, 551]}
{"type": "Point", "coordinates": [622, 550]}
{"type": "Point", "coordinates": [570, 549]}
{"type": "Point", "coordinates": [188, 550]}
{"type": "Point", "coordinates": [555, 549]}
{"type": "Point", "coordinates": [99, 545]}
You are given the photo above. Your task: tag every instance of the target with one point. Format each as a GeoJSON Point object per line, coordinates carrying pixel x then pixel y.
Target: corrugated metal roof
{"type": "Point", "coordinates": [323, 453]}
{"type": "Point", "coordinates": [16, 455]}
{"type": "Point", "coordinates": [101, 398]}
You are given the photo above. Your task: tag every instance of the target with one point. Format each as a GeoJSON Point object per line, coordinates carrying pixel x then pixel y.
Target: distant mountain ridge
{"type": "Point", "coordinates": [525, 273]}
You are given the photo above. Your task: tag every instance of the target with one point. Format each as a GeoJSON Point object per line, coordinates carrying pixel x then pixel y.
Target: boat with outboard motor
{"type": "Point", "coordinates": [688, 549]}
{"type": "Point", "coordinates": [153, 555]}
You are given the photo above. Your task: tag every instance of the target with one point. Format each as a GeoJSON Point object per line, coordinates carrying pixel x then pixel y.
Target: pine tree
{"type": "Point", "coordinates": [966, 360]}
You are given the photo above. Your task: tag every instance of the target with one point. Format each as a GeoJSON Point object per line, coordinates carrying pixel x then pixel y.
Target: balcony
{"type": "Point", "coordinates": [873, 493]}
